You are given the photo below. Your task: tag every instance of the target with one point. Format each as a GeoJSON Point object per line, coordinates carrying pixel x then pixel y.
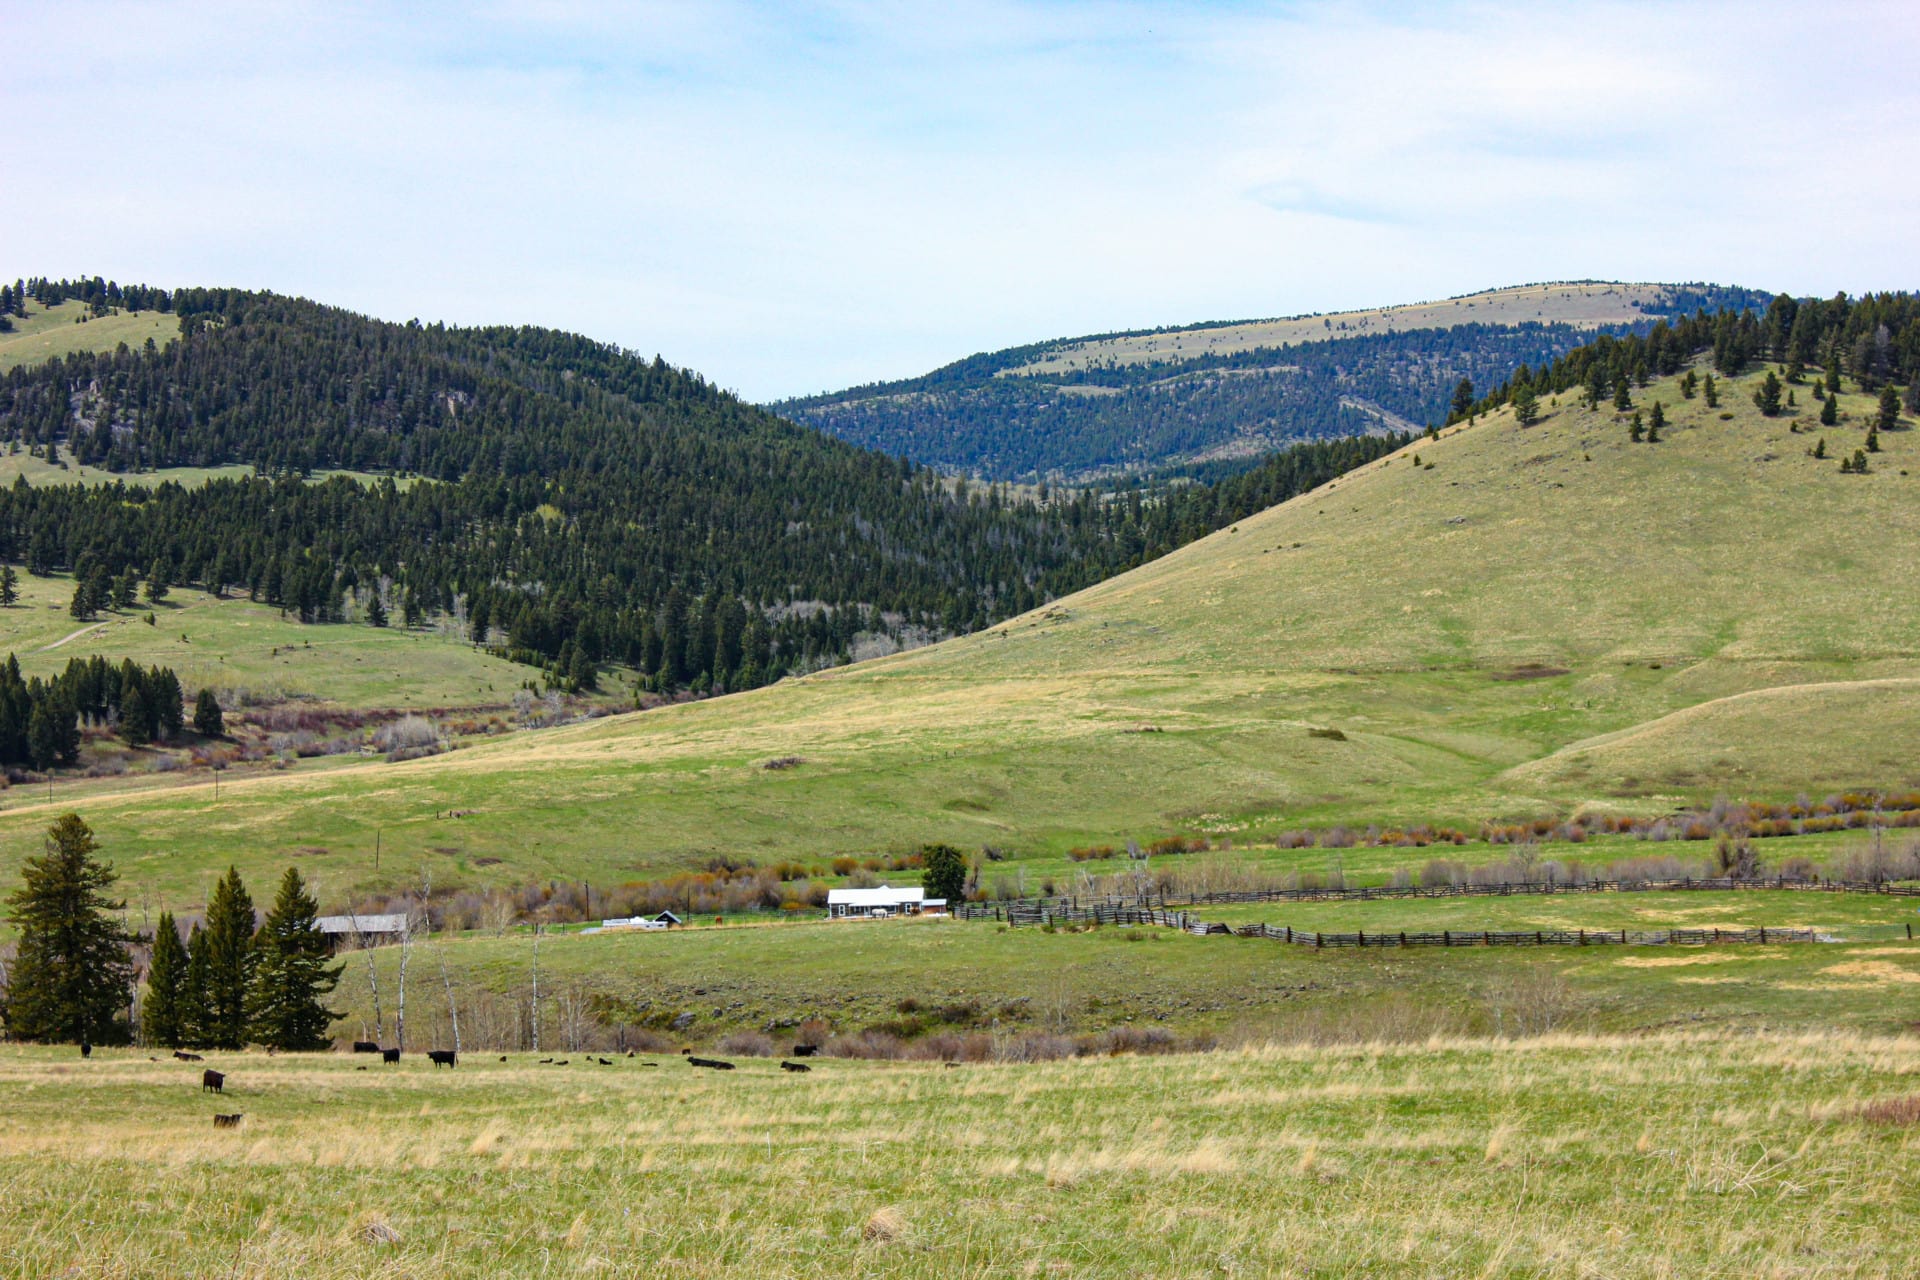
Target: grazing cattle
{"type": "Point", "coordinates": [227, 1122]}
{"type": "Point", "coordinates": [649, 1064]}
{"type": "Point", "coordinates": [503, 1057]}
{"type": "Point", "coordinates": [359, 1068]}
{"type": "Point", "coordinates": [630, 1053]}
{"type": "Point", "coordinates": [366, 1046]}
{"type": "Point", "coordinates": [713, 1063]}
{"type": "Point", "coordinates": [805, 1050]}
{"type": "Point", "coordinates": [188, 1057]}
{"type": "Point", "coordinates": [86, 1050]}
{"type": "Point", "coordinates": [545, 1061]}
{"type": "Point", "coordinates": [389, 1055]}
{"type": "Point", "coordinates": [606, 1062]}
{"type": "Point", "coordinates": [214, 1080]}
{"type": "Point", "coordinates": [795, 1066]}
{"type": "Point", "coordinates": [563, 1062]}
{"type": "Point", "coordinates": [441, 1057]}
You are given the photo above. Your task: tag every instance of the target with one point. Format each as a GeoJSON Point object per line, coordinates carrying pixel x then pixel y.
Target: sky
{"type": "Point", "coordinates": [794, 198]}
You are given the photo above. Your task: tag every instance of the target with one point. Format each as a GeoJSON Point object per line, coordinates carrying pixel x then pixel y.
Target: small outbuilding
{"type": "Point", "coordinates": [363, 930]}
{"type": "Point", "coordinates": [868, 904]}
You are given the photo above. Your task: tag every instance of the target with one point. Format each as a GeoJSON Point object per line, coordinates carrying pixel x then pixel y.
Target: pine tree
{"type": "Point", "coordinates": [160, 1022]}
{"type": "Point", "coordinates": [1653, 429]}
{"type": "Point", "coordinates": [1820, 447]}
{"type": "Point", "coordinates": [1912, 403]}
{"type": "Point", "coordinates": [1657, 418]}
{"type": "Point", "coordinates": [1635, 432]}
{"type": "Point", "coordinates": [1889, 416]}
{"type": "Point", "coordinates": [196, 1026]}
{"type": "Point", "coordinates": [1873, 440]}
{"type": "Point", "coordinates": [136, 717]}
{"type": "Point", "coordinates": [157, 582]}
{"type": "Point", "coordinates": [943, 872]}
{"type": "Point", "coordinates": [1622, 397]}
{"type": "Point", "coordinates": [1833, 375]}
{"type": "Point", "coordinates": [1830, 411]}
{"type": "Point", "coordinates": [53, 732]}
{"type": "Point", "coordinates": [376, 612]}
{"type": "Point", "coordinates": [9, 586]}
{"type": "Point", "coordinates": [231, 960]}
{"type": "Point", "coordinates": [293, 973]}
{"type": "Point", "coordinates": [207, 719]}
{"type": "Point", "coordinates": [85, 604]}
{"type": "Point", "coordinates": [1462, 399]}
{"type": "Point", "coordinates": [581, 673]}
{"type": "Point", "coordinates": [1526, 405]}
{"type": "Point", "coordinates": [1712, 393]}
{"type": "Point", "coordinates": [72, 978]}
{"type": "Point", "coordinates": [1767, 398]}
{"type": "Point", "coordinates": [1689, 384]}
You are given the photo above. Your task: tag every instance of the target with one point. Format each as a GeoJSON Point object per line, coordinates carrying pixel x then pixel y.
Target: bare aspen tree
{"type": "Point", "coordinates": [536, 986]}
{"type": "Point", "coordinates": [440, 954]}
{"type": "Point", "coordinates": [373, 974]}
{"type": "Point", "coordinates": [406, 953]}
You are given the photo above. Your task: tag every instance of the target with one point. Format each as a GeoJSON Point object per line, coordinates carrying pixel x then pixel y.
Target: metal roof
{"type": "Point", "coordinates": [394, 922]}
{"type": "Point", "coordinates": [884, 896]}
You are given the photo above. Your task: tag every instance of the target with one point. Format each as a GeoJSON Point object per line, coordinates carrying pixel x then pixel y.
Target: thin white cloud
{"type": "Point", "coordinates": [792, 198]}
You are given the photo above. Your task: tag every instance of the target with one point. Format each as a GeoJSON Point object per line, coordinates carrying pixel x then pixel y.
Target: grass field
{"type": "Point", "coordinates": [235, 645]}
{"type": "Point", "coordinates": [1576, 1156]}
{"type": "Point", "coordinates": [1531, 621]}
{"type": "Point", "coordinates": [897, 976]}
{"type": "Point", "coordinates": [1591, 303]}
{"type": "Point", "coordinates": [51, 331]}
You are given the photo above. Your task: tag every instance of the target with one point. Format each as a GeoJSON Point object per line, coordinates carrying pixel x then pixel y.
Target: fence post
{"type": "Point", "coordinates": [1446, 937]}
{"type": "Point", "coordinates": [1763, 935]}
{"type": "Point", "coordinates": [1317, 941]}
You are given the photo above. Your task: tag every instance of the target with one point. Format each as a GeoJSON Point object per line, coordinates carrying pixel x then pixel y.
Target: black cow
{"type": "Point", "coordinates": [214, 1080]}
{"type": "Point", "coordinates": [366, 1046]}
{"type": "Point", "coordinates": [795, 1066]}
{"type": "Point", "coordinates": [86, 1050]}
{"type": "Point", "coordinates": [606, 1062]}
{"type": "Point", "coordinates": [714, 1063]}
{"type": "Point", "coordinates": [188, 1057]}
{"type": "Point", "coordinates": [389, 1055]}
{"type": "Point", "coordinates": [805, 1050]}
{"type": "Point", "coordinates": [441, 1057]}
{"type": "Point", "coordinates": [227, 1122]}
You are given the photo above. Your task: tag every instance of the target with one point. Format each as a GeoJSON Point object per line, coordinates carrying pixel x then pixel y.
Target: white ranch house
{"type": "Point", "coordinates": [882, 902]}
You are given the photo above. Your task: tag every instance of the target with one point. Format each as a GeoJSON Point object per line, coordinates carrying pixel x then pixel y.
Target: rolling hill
{"type": "Point", "coordinates": [1169, 398]}
{"type": "Point", "coordinates": [1506, 621]}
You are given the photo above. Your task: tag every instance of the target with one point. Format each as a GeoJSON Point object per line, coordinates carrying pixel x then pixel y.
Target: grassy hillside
{"type": "Point", "coordinates": [53, 331]}
{"type": "Point", "coordinates": [1462, 624]}
{"type": "Point", "coordinates": [253, 653]}
{"type": "Point", "coordinates": [1208, 394]}
{"type": "Point", "coordinates": [1565, 1156]}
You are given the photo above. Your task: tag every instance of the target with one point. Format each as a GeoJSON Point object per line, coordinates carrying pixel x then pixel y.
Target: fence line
{"type": "Point", "coordinates": [1007, 909]}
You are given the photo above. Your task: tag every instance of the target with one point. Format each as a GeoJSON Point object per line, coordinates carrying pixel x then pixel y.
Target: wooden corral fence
{"type": "Point", "coordinates": [1155, 900]}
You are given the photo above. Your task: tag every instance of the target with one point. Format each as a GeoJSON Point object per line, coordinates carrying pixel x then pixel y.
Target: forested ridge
{"type": "Point", "coordinates": [979, 415]}
{"type": "Point", "coordinates": [576, 504]}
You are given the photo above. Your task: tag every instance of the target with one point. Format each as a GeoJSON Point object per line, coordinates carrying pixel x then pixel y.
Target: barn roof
{"type": "Point", "coordinates": [393, 922]}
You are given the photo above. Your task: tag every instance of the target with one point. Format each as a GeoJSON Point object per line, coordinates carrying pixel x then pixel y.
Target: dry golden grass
{"type": "Point", "coordinates": [1559, 1156]}
{"type": "Point", "coordinates": [1584, 305]}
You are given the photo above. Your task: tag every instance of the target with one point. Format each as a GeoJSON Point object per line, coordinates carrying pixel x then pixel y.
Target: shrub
{"type": "Point", "coordinates": [747, 1044]}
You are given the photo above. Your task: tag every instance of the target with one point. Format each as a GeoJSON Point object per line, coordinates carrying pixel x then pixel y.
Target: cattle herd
{"type": "Point", "coordinates": [212, 1081]}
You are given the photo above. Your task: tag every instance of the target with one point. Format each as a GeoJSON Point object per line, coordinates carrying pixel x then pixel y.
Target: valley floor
{"type": "Point", "coordinates": [1743, 1154]}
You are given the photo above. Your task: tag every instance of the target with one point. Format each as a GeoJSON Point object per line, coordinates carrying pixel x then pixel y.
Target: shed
{"type": "Point", "coordinates": [365, 929]}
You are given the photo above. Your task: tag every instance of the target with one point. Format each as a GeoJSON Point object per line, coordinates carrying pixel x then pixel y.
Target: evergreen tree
{"type": "Point", "coordinates": [1833, 375]}
{"type": "Point", "coordinates": [1653, 430]}
{"type": "Point", "coordinates": [72, 978]}
{"type": "Point", "coordinates": [1912, 403]}
{"type": "Point", "coordinates": [293, 973]}
{"type": "Point", "coordinates": [376, 612]}
{"type": "Point", "coordinates": [581, 673]}
{"type": "Point", "coordinates": [85, 605]}
{"type": "Point", "coordinates": [196, 1024]}
{"type": "Point", "coordinates": [136, 717]}
{"type": "Point", "coordinates": [122, 591]}
{"type": "Point", "coordinates": [207, 719]}
{"type": "Point", "coordinates": [1830, 411]}
{"type": "Point", "coordinates": [1712, 393]}
{"type": "Point", "coordinates": [1873, 440]}
{"type": "Point", "coordinates": [9, 586]}
{"type": "Point", "coordinates": [157, 581]}
{"type": "Point", "coordinates": [943, 872]}
{"type": "Point", "coordinates": [53, 733]}
{"type": "Point", "coordinates": [1526, 405]}
{"type": "Point", "coordinates": [1767, 398]}
{"type": "Point", "coordinates": [1622, 397]}
{"type": "Point", "coordinates": [160, 1023]}
{"type": "Point", "coordinates": [165, 703]}
{"type": "Point", "coordinates": [1462, 399]}
{"type": "Point", "coordinates": [1657, 418]}
{"type": "Point", "coordinates": [231, 960]}
{"type": "Point", "coordinates": [1635, 432]}
{"type": "Point", "coordinates": [1889, 416]}
{"type": "Point", "coordinates": [1820, 447]}
{"type": "Point", "coordinates": [1689, 384]}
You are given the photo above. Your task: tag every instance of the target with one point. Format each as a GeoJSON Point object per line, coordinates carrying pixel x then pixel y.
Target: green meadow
{"type": "Point", "coordinates": [58, 330]}
{"type": "Point", "coordinates": [1681, 1152]}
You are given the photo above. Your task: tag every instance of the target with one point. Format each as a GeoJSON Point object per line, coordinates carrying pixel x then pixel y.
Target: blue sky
{"type": "Point", "coordinates": [793, 198]}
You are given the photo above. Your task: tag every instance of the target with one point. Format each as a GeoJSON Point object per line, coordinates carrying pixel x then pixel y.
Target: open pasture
{"type": "Point", "coordinates": [1575, 1156]}
{"type": "Point", "coordinates": [47, 332]}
